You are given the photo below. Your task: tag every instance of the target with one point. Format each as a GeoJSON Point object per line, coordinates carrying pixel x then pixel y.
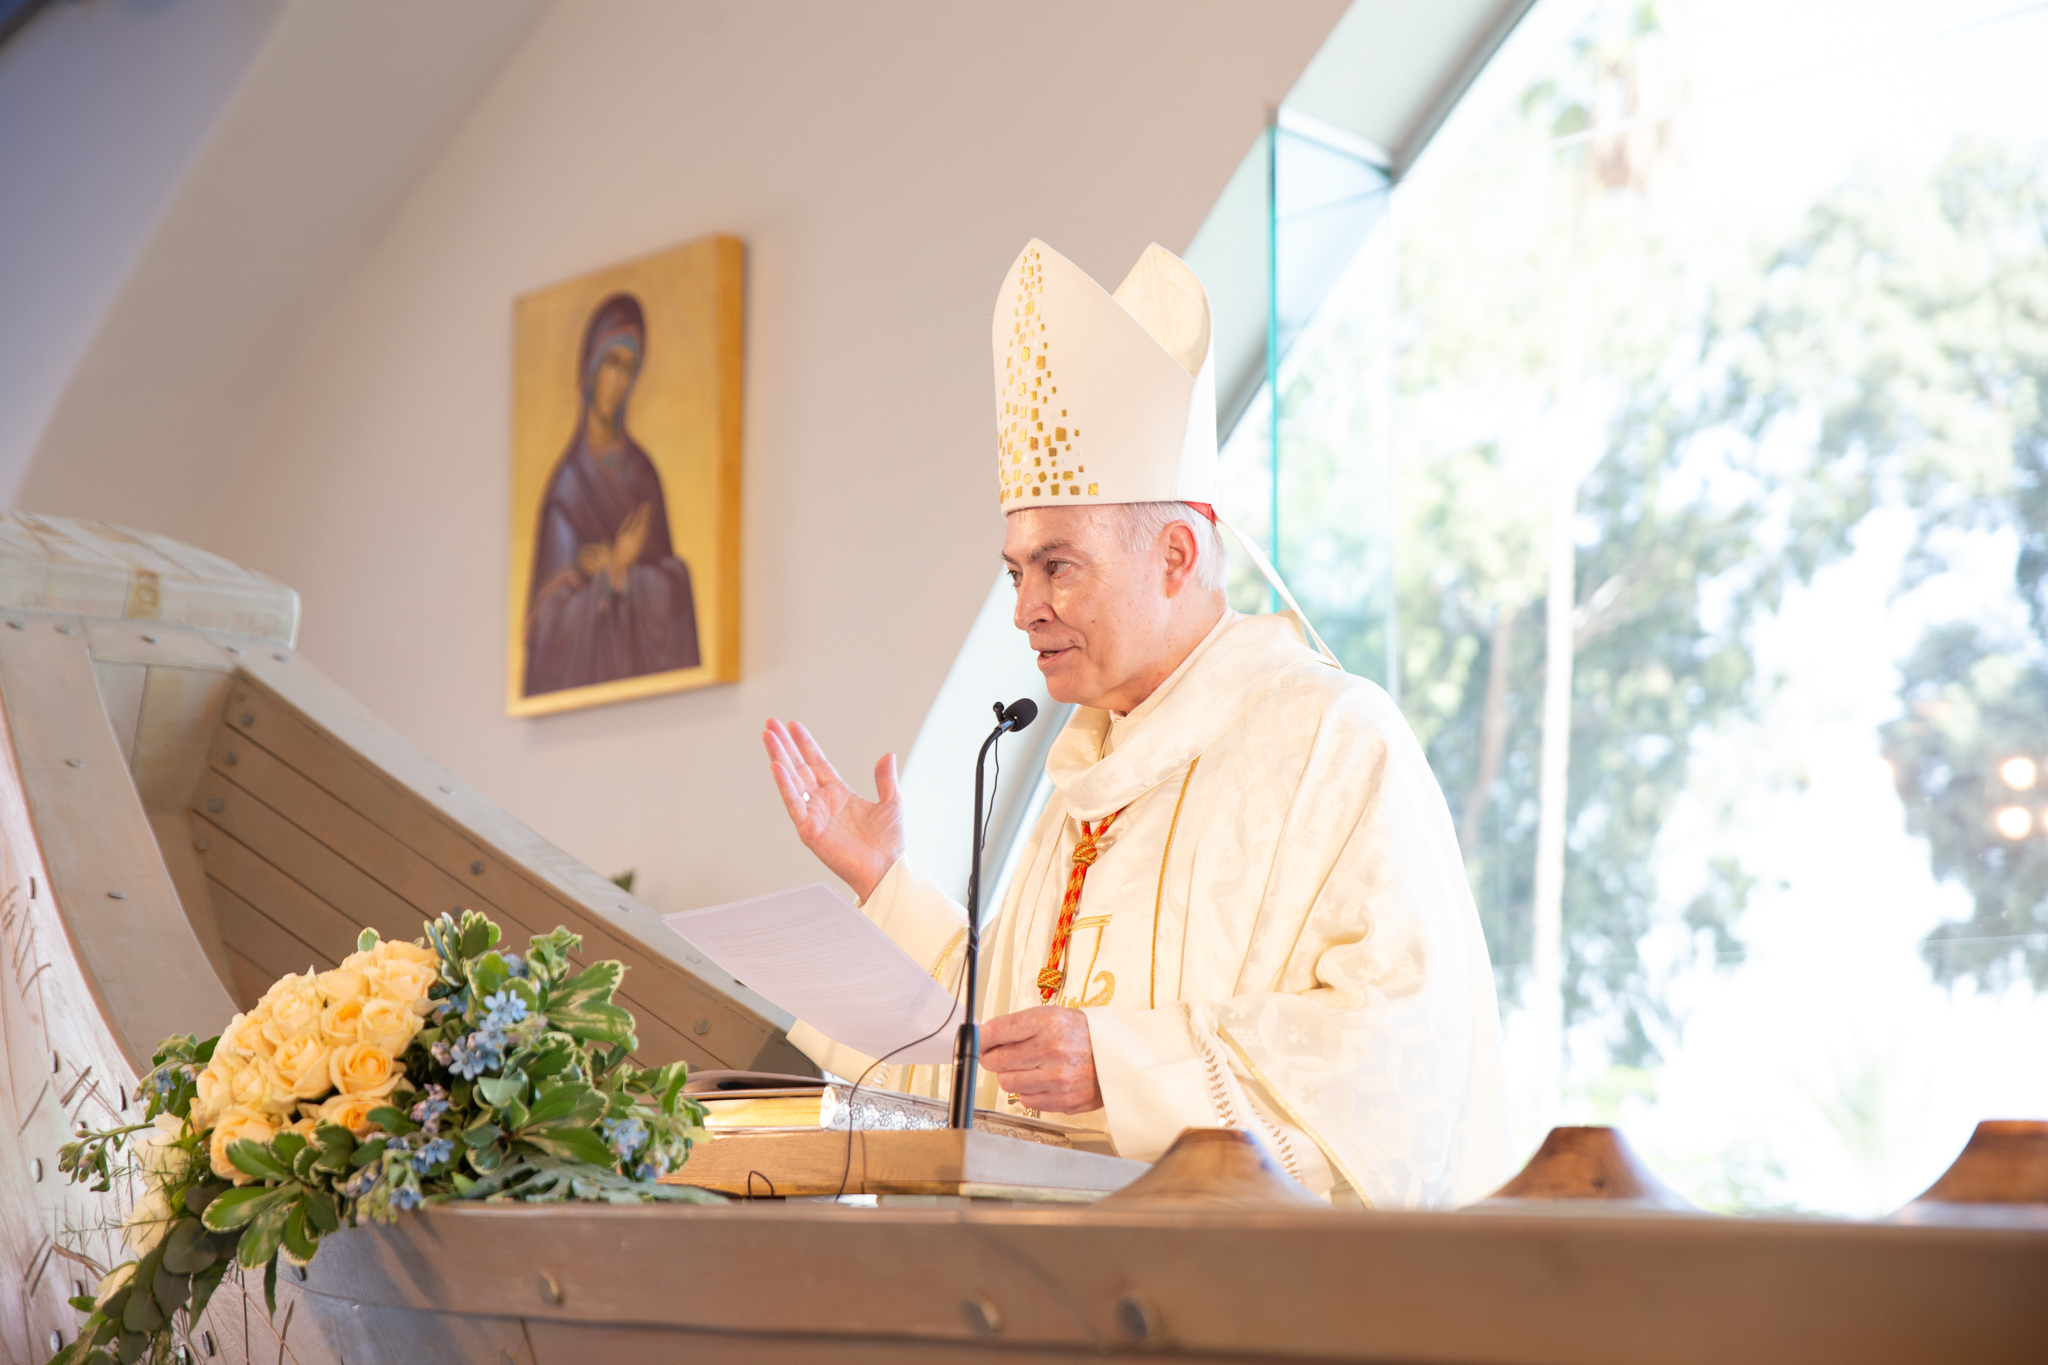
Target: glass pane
{"type": "Point", "coordinates": [1707, 347]}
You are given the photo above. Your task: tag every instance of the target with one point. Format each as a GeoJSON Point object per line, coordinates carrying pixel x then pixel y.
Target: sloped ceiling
{"type": "Point", "coordinates": [334, 119]}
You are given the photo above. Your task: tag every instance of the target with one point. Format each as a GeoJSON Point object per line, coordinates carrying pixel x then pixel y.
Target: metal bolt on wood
{"type": "Point", "coordinates": [550, 1289]}
{"type": "Point", "coordinates": [982, 1315]}
{"type": "Point", "coordinates": [1138, 1318]}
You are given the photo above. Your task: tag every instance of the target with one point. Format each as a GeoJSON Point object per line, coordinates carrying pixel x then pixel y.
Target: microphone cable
{"type": "Point", "coordinates": [852, 1115]}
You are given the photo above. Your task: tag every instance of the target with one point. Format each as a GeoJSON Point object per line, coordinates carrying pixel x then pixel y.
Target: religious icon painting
{"type": "Point", "coordinates": [626, 481]}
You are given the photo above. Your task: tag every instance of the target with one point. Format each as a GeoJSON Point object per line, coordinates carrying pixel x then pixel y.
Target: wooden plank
{"type": "Point", "coordinates": [174, 842]}
{"type": "Point", "coordinates": [272, 949]}
{"type": "Point", "coordinates": [289, 821]}
{"type": "Point", "coordinates": [250, 980]}
{"type": "Point", "coordinates": [121, 693]}
{"type": "Point", "coordinates": [666, 1000]}
{"type": "Point", "coordinates": [1324, 1286]}
{"type": "Point", "coordinates": [337, 881]}
{"type": "Point", "coordinates": [180, 712]}
{"type": "Point", "coordinates": [376, 852]}
{"type": "Point", "coordinates": [147, 971]}
{"type": "Point", "coordinates": [312, 920]}
{"type": "Point", "coordinates": [154, 644]}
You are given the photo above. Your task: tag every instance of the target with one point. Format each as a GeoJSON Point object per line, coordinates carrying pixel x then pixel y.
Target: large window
{"type": "Point", "coordinates": [1676, 450]}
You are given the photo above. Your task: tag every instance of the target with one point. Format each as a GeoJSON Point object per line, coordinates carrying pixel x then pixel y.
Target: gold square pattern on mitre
{"type": "Point", "coordinates": [1036, 439]}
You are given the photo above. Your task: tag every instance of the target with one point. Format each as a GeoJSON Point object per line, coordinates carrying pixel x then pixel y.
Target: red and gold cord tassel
{"type": "Point", "coordinates": [1085, 851]}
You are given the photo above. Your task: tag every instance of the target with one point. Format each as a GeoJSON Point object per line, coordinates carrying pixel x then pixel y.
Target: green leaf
{"type": "Point", "coordinates": [257, 1159]}
{"type": "Point", "coordinates": [392, 1121]}
{"type": "Point", "coordinates": [288, 1146]}
{"type": "Point", "coordinates": [595, 1022]}
{"type": "Point", "coordinates": [142, 1313]}
{"type": "Point", "coordinates": [337, 1144]}
{"type": "Point", "coordinates": [367, 1153]}
{"type": "Point", "coordinates": [270, 1286]}
{"type": "Point", "coordinates": [187, 1248]}
{"type": "Point", "coordinates": [486, 1159]}
{"type": "Point", "coordinates": [481, 1134]}
{"type": "Point", "coordinates": [476, 935]}
{"type": "Point", "coordinates": [302, 1167]}
{"type": "Point", "coordinates": [567, 1100]}
{"type": "Point", "coordinates": [366, 940]}
{"type": "Point", "coordinates": [299, 1238]}
{"type": "Point", "coordinates": [487, 975]}
{"type": "Point", "coordinates": [503, 1089]}
{"type": "Point", "coordinates": [321, 1211]}
{"type": "Point", "coordinates": [197, 1197]}
{"type": "Point", "coordinates": [568, 1139]}
{"type": "Point", "coordinates": [594, 984]}
{"type": "Point", "coordinates": [170, 1289]}
{"type": "Point", "coordinates": [259, 1243]}
{"type": "Point", "coordinates": [241, 1206]}
{"type": "Point", "coordinates": [82, 1302]}
{"type": "Point", "coordinates": [203, 1285]}
{"type": "Point", "coordinates": [131, 1346]}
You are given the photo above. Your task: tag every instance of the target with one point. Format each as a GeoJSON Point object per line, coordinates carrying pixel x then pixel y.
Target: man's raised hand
{"type": "Point", "coordinates": [859, 840]}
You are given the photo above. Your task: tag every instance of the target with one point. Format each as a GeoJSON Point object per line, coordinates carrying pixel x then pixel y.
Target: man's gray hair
{"type": "Point", "coordinates": [1140, 523]}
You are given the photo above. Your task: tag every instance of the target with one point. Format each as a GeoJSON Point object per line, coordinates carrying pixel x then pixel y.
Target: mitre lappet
{"type": "Point", "coordinates": [1109, 398]}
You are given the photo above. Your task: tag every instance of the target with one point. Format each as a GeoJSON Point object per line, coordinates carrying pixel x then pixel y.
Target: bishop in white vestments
{"type": "Point", "coordinates": [1243, 904]}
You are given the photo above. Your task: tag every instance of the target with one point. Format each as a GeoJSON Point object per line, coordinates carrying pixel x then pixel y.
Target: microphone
{"type": "Point", "coordinates": [967, 1043]}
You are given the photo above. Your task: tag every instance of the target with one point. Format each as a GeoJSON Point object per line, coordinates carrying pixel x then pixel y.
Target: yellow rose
{"type": "Point", "coordinates": [388, 1024]}
{"type": "Point", "coordinates": [356, 962]}
{"type": "Point", "coordinates": [397, 950]}
{"type": "Point", "coordinates": [214, 1093]}
{"type": "Point", "coordinates": [350, 1111]}
{"type": "Point", "coordinates": [237, 1123]}
{"type": "Point", "coordinates": [403, 981]}
{"type": "Point", "coordinates": [303, 1127]}
{"type": "Point", "coordinates": [343, 983]}
{"type": "Point", "coordinates": [254, 1085]}
{"type": "Point", "coordinates": [243, 1037]}
{"type": "Point", "coordinates": [363, 1069]}
{"type": "Point", "coordinates": [157, 1151]}
{"type": "Point", "coordinates": [294, 1009]}
{"type": "Point", "coordinates": [301, 1067]}
{"type": "Point", "coordinates": [147, 1222]}
{"type": "Point", "coordinates": [341, 1024]}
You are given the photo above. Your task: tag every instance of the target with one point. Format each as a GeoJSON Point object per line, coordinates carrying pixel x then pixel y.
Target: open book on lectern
{"type": "Point", "coordinates": [825, 962]}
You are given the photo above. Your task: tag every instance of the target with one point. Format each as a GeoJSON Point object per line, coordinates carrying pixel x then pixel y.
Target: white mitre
{"type": "Point", "coordinates": [1103, 398]}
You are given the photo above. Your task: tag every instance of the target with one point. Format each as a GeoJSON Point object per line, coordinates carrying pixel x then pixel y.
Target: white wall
{"type": "Point", "coordinates": [883, 162]}
{"type": "Point", "coordinates": [103, 106]}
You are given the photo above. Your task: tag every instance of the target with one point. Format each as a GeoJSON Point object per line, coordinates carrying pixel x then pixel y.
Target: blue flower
{"type": "Point", "coordinates": [514, 964]}
{"type": "Point", "coordinates": [405, 1198]}
{"type": "Point", "coordinates": [506, 1009]}
{"type": "Point", "coordinates": [479, 1052]}
{"type": "Point", "coordinates": [427, 1113]}
{"type": "Point", "coordinates": [362, 1182]}
{"type": "Point", "coordinates": [626, 1136]}
{"type": "Point", "coordinates": [432, 1155]}
{"type": "Point", "coordinates": [655, 1167]}
{"type": "Point", "coordinates": [167, 1080]}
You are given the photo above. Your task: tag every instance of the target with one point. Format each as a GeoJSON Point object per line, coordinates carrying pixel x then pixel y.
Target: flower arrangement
{"type": "Point", "coordinates": [412, 1073]}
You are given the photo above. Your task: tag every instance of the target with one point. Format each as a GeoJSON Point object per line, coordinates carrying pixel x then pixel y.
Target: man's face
{"type": "Point", "coordinates": [1097, 614]}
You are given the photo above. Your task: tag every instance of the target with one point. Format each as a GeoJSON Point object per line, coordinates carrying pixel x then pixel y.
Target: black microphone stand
{"type": "Point", "coordinates": [967, 1043]}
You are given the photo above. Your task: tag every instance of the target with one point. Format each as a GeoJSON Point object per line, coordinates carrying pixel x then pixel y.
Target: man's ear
{"type": "Point", "coordinates": [1180, 556]}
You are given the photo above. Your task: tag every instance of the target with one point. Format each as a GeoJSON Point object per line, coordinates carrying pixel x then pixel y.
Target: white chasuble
{"type": "Point", "coordinates": [1276, 934]}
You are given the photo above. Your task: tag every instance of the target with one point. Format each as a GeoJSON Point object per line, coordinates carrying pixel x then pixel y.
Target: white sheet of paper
{"type": "Point", "coordinates": [826, 963]}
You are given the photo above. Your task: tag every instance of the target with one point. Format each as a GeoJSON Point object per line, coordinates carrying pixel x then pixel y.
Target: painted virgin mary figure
{"type": "Point", "coordinates": [610, 599]}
